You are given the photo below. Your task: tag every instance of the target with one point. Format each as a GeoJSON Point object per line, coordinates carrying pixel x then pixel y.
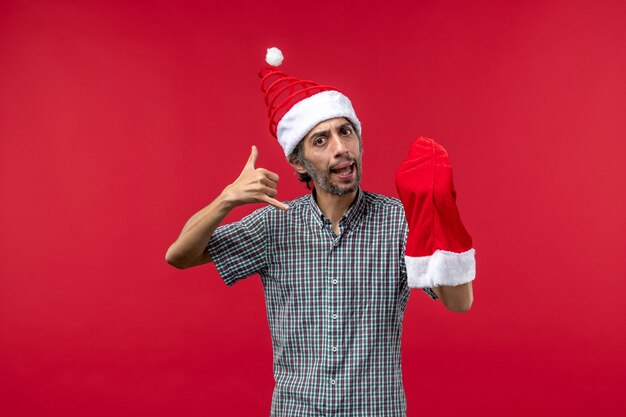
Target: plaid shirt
{"type": "Point", "coordinates": [335, 304]}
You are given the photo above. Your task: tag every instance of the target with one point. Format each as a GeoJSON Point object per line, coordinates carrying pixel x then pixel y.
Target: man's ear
{"type": "Point", "coordinates": [297, 166]}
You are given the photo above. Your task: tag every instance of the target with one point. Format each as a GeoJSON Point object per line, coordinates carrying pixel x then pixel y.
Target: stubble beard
{"type": "Point", "coordinates": [321, 178]}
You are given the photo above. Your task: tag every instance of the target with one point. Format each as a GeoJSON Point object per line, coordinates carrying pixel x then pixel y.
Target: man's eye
{"type": "Point", "coordinates": [346, 131]}
{"type": "Point", "coordinates": [320, 140]}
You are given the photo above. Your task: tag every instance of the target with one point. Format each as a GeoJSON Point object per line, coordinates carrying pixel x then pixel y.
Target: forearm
{"type": "Point", "coordinates": [190, 247]}
{"type": "Point", "coordinates": [458, 298]}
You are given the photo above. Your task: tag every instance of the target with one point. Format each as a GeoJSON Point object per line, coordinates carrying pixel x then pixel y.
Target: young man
{"type": "Point", "coordinates": [332, 262]}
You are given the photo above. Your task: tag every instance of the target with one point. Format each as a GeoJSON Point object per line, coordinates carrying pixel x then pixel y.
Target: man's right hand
{"type": "Point", "coordinates": [254, 185]}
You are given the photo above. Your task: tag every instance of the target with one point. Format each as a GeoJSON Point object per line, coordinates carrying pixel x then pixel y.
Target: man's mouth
{"type": "Point", "coordinates": [343, 170]}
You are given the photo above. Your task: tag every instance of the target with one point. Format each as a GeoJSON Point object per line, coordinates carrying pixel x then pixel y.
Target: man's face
{"type": "Point", "coordinates": [332, 157]}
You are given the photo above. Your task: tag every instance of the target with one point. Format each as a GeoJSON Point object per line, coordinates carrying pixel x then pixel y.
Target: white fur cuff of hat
{"type": "Point", "coordinates": [307, 113]}
{"type": "Point", "coordinates": [441, 268]}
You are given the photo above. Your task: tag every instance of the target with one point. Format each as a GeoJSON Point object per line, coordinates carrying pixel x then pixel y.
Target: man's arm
{"type": "Point", "coordinates": [254, 185]}
{"type": "Point", "coordinates": [458, 298]}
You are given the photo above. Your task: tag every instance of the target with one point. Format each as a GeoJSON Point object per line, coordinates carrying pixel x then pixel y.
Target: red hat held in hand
{"type": "Point", "coordinates": [438, 249]}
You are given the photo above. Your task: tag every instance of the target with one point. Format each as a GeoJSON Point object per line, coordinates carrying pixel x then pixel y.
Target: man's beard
{"type": "Point", "coordinates": [321, 178]}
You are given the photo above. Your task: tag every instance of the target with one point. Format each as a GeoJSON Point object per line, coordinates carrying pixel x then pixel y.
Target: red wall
{"type": "Point", "coordinates": [118, 121]}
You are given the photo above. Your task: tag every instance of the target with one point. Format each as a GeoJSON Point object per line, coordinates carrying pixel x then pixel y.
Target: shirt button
{"type": "Point", "coordinates": [333, 382]}
{"type": "Point", "coordinates": [334, 316]}
{"type": "Point", "coordinates": [335, 282]}
{"type": "Point", "coordinates": [334, 349]}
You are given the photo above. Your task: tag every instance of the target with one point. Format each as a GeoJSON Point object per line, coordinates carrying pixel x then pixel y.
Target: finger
{"type": "Point", "coordinates": [269, 174]}
{"type": "Point", "coordinates": [270, 192]}
{"type": "Point", "coordinates": [254, 153]}
{"type": "Point", "coordinates": [268, 182]}
{"type": "Point", "coordinates": [276, 203]}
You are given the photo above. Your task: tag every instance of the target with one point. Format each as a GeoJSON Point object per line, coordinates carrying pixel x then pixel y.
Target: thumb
{"type": "Point", "coordinates": [254, 153]}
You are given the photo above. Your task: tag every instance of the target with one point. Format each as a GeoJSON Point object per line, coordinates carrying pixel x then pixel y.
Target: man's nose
{"type": "Point", "coordinates": [339, 146]}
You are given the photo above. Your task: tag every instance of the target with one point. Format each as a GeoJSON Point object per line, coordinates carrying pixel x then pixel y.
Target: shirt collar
{"type": "Point", "coordinates": [349, 218]}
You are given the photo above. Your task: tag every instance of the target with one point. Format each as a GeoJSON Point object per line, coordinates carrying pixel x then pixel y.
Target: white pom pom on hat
{"type": "Point", "coordinates": [274, 57]}
{"type": "Point", "coordinates": [295, 106]}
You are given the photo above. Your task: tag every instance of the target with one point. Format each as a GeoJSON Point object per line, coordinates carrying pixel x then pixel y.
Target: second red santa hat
{"type": "Point", "coordinates": [438, 249]}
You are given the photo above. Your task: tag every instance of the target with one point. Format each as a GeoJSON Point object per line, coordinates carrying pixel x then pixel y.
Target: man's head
{"type": "Point", "coordinates": [297, 106]}
{"type": "Point", "coordinates": [330, 156]}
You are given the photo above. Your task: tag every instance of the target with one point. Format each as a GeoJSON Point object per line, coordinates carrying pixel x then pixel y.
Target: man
{"type": "Point", "coordinates": [332, 263]}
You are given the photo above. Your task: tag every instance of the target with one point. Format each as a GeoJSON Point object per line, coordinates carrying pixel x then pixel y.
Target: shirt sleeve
{"type": "Point", "coordinates": [429, 291]}
{"type": "Point", "coordinates": [238, 249]}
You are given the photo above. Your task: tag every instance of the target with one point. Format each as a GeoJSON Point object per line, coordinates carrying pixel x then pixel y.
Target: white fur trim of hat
{"type": "Point", "coordinates": [307, 113]}
{"type": "Point", "coordinates": [441, 268]}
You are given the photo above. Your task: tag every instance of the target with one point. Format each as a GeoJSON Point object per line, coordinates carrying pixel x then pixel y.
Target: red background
{"type": "Point", "coordinates": [118, 121]}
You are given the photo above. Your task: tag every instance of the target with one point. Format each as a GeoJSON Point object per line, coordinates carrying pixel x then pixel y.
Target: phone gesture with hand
{"type": "Point", "coordinates": [255, 185]}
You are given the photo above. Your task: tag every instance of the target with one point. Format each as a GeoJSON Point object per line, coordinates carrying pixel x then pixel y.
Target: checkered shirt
{"type": "Point", "coordinates": [335, 304]}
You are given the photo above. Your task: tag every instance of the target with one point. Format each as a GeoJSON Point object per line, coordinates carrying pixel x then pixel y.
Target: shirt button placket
{"type": "Point", "coordinates": [333, 296]}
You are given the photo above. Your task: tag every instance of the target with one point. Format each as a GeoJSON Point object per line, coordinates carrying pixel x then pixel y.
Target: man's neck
{"type": "Point", "coordinates": [334, 206]}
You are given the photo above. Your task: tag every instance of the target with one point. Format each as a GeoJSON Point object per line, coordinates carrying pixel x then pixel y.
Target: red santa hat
{"type": "Point", "coordinates": [438, 249]}
{"type": "Point", "coordinates": [295, 106]}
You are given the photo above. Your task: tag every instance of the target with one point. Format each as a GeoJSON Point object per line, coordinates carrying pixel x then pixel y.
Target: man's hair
{"type": "Point", "coordinates": [297, 155]}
